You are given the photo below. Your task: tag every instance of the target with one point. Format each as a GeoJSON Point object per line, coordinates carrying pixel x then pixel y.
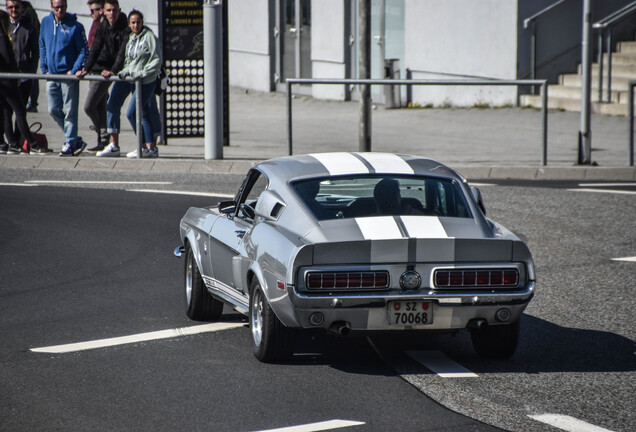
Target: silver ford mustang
{"type": "Point", "coordinates": [356, 242]}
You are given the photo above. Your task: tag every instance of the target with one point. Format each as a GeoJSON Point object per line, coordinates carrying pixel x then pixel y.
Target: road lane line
{"type": "Point", "coordinates": [320, 426]}
{"type": "Point", "coordinates": [208, 194]}
{"type": "Point", "coordinates": [439, 363]}
{"type": "Point", "coordinates": [627, 259]}
{"type": "Point", "coordinates": [605, 184]}
{"type": "Point", "coordinates": [16, 184]}
{"type": "Point", "coordinates": [567, 423]}
{"type": "Point", "coordinates": [98, 182]}
{"type": "Point", "coordinates": [141, 337]}
{"type": "Point", "coordinates": [611, 191]}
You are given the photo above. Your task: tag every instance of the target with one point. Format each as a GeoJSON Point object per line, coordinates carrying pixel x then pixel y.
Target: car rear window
{"type": "Point", "coordinates": [377, 195]}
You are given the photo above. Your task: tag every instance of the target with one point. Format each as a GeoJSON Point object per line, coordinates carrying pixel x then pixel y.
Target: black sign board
{"type": "Point", "coordinates": [182, 42]}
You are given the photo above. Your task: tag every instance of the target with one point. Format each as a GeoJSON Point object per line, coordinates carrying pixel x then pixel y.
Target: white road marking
{"type": "Point", "coordinates": [605, 184]}
{"type": "Point", "coordinates": [210, 194]}
{"type": "Point", "coordinates": [628, 259]}
{"type": "Point", "coordinates": [439, 363]}
{"type": "Point", "coordinates": [98, 182]}
{"type": "Point", "coordinates": [481, 184]}
{"type": "Point", "coordinates": [612, 191]}
{"type": "Point", "coordinates": [320, 426]}
{"type": "Point", "coordinates": [16, 184]}
{"type": "Point", "coordinates": [567, 423]}
{"type": "Point", "coordinates": [141, 337]}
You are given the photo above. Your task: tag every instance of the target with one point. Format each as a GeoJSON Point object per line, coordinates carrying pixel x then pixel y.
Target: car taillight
{"type": "Point", "coordinates": [348, 280]}
{"type": "Point", "coordinates": [476, 278]}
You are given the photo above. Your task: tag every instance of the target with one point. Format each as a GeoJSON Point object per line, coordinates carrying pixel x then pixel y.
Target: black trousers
{"type": "Point", "coordinates": [12, 102]}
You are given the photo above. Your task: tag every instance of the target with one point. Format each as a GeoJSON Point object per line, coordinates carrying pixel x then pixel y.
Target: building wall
{"type": "Point", "coordinates": [250, 48]}
{"type": "Point", "coordinates": [457, 39]}
{"type": "Point", "coordinates": [328, 46]}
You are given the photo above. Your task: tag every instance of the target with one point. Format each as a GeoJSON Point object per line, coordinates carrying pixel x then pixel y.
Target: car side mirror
{"type": "Point", "coordinates": [478, 199]}
{"type": "Point", "coordinates": [227, 207]}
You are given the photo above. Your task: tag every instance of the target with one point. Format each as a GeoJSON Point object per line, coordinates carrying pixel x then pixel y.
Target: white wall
{"type": "Point", "coordinates": [249, 44]}
{"type": "Point", "coordinates": [328, 46]}
{"type": "Point", "coordinates": [461, 39]}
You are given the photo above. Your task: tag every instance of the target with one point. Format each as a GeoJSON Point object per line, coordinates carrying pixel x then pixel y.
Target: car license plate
{"type": "Point", "coordinates": [410, 313]}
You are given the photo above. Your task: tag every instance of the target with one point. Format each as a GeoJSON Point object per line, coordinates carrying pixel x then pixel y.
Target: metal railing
{"type": "Point", "coordinates": [604, 28]}
{"type": "Point", "coordinates": [532, 23]}
{"type": "Point", "coordinates": [59, 77]}
{"type": "Point", "coordinates": [542, 83]}
{"type": "Point", "coordinates": [630, 113]}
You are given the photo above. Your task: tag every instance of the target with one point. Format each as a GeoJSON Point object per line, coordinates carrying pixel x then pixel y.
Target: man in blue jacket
{"type": "Point", "coordinates": [63, 50]}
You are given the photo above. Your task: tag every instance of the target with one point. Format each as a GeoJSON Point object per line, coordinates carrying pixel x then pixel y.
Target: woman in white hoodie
{"type": "Point", "coordinates": [142, 60]}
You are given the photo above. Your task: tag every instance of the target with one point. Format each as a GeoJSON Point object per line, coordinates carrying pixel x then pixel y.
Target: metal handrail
{"type": "Point", "coordinates": [542, 83]}
{"type": "Point", "coordinates": [630, 113]}
{"type": "Point", "coordinates": [533, 37]}
{"type": "Point", "coordinates": [604, 27]}
{"type": "Point", "coordinates": [60, 77]}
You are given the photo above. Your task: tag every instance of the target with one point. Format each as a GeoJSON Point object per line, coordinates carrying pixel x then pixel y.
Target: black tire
{"type": "Point", "coordinates": [200, 305]}
{"type": "Point", "coordinates": [271, 341]}
{"type": "Point", "coordinates": [496, 341]}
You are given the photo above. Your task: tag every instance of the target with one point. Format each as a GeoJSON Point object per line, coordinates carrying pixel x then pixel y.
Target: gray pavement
{"type": "Point", "coordinates": [481, 143]}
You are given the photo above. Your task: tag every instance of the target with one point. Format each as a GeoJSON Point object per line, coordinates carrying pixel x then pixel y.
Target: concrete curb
{"type": "Point", "coordinates": [241, 166]}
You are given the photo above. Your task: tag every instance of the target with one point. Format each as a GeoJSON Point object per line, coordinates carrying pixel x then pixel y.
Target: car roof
{"type": "Point", "coordinates": [289, 168]}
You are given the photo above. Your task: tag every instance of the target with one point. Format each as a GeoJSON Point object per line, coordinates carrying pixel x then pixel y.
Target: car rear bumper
{"type": "Point", "coordinates": [450, 310]}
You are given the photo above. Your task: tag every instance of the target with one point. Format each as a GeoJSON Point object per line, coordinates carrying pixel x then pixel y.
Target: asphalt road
{"type": "Point", "coordinates": [88, 261]}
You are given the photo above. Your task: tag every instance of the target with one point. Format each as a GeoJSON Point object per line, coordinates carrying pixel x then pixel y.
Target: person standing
{"type": "Point", "coordinates": [10, 98]}
{"type": "Point", "coordinates": [96, 7]}
{"type": "Point", "coordinates": [29, 13]}
{"type": "Point", "coordinates": [111, 35]}
{"type": "Point", "coordinates": [25, 42]}
{"type": "Point", "coordinates": [63, 50]}
{"type": "Point", "coordinates": [142, 60]}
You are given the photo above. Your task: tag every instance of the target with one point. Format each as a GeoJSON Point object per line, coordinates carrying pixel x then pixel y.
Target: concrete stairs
{"type": "Point", "coordinates": [567, 94]}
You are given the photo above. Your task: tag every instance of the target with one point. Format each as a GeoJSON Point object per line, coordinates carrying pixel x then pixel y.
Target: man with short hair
{"type": "Point", "coordinates": [112, 34]}
{"type": "Point", "coordinates": [63, 51]}
{"type": "Point", "coordinates": [25, 42]}
{"type": "Point", "coordinates": [96, 8]}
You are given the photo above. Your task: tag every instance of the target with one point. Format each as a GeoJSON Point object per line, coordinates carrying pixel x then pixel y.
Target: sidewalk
{"type": "Point", "coordinates": [481, 143]}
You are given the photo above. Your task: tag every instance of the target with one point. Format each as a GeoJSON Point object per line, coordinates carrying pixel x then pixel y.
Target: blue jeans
{"type": "Point", "coordinates": [118, 96]}
{"type": "Point", "coordinates": [64, 96]}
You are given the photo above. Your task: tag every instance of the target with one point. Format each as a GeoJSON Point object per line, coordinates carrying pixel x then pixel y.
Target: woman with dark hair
{"type": "Point", "coordinates": [142, 60]}
{"type": "Point", "coordinates": [10, 97]}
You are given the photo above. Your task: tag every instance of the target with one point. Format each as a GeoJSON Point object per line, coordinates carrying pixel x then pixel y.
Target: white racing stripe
{"type": "Point", "coordinates": [387, 163]}
{"type": "Point", "coordinates": [379, 228]}
{"type": "Point", "coordinates": [209, 194]}
{"type": "Point", "coordinates": [320, 426]}
{"type": "Point", "coordinates": [610, 191]}
{"type": "Point", "coordinates": [626, 259]}
{"type": "Point", "coordinates": [567, 423]}
{"type": "Point", "coordinates": [141, 337]}
{"type": "Point", "coordinates": [439, 363]}
{"type": "Point", "coordinates": [341, 163]}
{"type": "Point", "coordinates": [424, 227]}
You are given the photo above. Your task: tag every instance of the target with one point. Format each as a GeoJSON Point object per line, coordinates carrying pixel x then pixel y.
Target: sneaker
{"type": "Point", "coordinates": [79, 147]}
{"type": "Point", "coordinates": [154, 153]}
{"type": "Point", "coordinates": [36, 149]}
{"type": "Point", "coordinates": [67, 150]}
{"type": "Point", "coordinates": [14, 149]}
{"type": "Point", "coordinates": [4, 148]}
{"type": "Point", "coordinates": [95, 149]}
{"type": "Point", "coordinates": [109, 151]}
{"type": "Point", "coordinates": [133, 154]}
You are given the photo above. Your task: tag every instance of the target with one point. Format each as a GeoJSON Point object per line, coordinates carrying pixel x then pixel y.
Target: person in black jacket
{"type": "Point", "coordinates": [112, 34]}
{"type": "Point", "coordinates": [10, 98]}
{"type": "Point", "coordinates": [27, 50]}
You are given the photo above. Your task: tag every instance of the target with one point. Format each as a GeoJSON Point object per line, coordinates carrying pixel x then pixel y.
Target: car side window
{"type": "Point", "coordinates": [254, 185]}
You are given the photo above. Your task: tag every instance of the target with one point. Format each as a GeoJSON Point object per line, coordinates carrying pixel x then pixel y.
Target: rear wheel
{"type": "Point", "coordinates": [201, 306]}
{"type": "Point", "coordinates": [271, 340]}
{"type": "Point", "coordinates": [496, 341]}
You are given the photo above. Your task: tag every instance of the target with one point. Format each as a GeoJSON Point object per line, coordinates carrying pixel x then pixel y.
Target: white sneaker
{"type": "Point", "coordinates": [133, 154]}
{"type": "Point", "coordinates": [109, 151]}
